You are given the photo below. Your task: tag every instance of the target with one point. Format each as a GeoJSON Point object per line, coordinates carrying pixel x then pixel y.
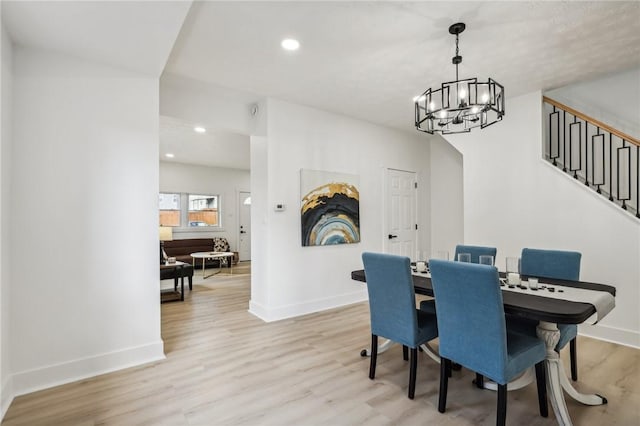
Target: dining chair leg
{"type": "Point", "coordinates": [479, 381]}
{"type": "Point", "coordinates": [574, 361]}
{"type": "Point", "coordinates": [502, 405]}
{"type": "Point", "coordinates": [445, 367]}
{"type": "Point", "coordinates": [541, 382]}
{"type": "Point", "coordinates": [374, 356]}
{"type": "Point", "coordinates": [412, 372]}
{"type": "Point", "coordinates": [405, 352]}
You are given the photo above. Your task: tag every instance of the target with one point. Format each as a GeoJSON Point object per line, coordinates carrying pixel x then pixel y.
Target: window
{"type": "Point", "coordinates": [169, 206]}
{"type": "Point", "coordinates": [180, 210]}
{"type": "Point", "coordinates": [202, 210]}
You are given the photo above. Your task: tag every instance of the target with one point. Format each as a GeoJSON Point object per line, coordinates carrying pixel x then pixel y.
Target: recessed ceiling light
{"type": "Point", "coordinates": [169, 155]}
{"type": "Point", "coordinates": [199, 129]}
{"type": "Point", "coordinates": [290, 44]}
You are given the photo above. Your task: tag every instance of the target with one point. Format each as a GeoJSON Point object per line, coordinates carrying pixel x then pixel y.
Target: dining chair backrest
{"type": "Point", "coordinates": [558, 264]}
{"type": "Point", "coordinates": [471, 321]}
{"type": "Point", "coordinates": [475, 252]}
{"type": "Point", "coordinates": [392, 303]}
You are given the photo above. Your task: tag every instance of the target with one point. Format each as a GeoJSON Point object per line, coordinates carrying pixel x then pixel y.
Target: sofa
{"type": "Point", "coordinates": [181, 249]}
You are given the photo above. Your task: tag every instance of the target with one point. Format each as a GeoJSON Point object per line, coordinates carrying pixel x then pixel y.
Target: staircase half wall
{"type": "Point", "coordinates": [513, 198]}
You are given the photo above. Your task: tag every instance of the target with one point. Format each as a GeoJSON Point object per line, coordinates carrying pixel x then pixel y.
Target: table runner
{"type": "Point", "coordinates": [603, 301]}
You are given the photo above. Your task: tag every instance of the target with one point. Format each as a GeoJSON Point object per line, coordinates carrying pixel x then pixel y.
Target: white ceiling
{"type": "Point", "coordinates": [134, 35]}
{"type": "Point", "coordinates": [214, 148]}
{"type": "Point", "coordinates": [362, 59]}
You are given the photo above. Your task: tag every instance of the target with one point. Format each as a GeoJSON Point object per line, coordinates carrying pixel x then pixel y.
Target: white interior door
{"type": "Point", "coordinates": [401, 233]}
{"type": "Point", "coordinates": [244, 246]}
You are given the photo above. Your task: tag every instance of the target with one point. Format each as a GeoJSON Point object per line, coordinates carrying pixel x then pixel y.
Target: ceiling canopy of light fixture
{"type": "Point", "coordinates": [459, 106]}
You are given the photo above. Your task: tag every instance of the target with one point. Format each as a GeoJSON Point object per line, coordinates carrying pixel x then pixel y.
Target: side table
{"type": "Point", "coordinates": [171, 295]}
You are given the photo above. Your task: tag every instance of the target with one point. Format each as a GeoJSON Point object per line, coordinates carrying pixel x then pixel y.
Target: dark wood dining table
{"type": "Point", "coordinates": [549, 312]}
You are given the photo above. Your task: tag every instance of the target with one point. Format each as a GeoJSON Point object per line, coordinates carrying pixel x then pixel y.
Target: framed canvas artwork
{"type": "Point", "coordinates": [330, 210]}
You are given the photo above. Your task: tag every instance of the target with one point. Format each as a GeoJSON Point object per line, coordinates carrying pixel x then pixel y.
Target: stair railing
{"type": "Point", "coordinates": [594, 153]}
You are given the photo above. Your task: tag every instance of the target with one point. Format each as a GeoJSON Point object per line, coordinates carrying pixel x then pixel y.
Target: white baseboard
{"type": "Point", "coordinates": [610, 334]}
{"type": "Point", "coordinates": [7, 396]}
{"type": "Point", "coordinates": [53, 375]}
{"type": "Point", "coordinates": [269, 314]}
{"type": "Point", "coordinates": [258, 310]}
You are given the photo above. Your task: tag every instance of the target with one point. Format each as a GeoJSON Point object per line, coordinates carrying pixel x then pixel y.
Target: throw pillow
{"type": "Point", "coordinates": [220, 244]}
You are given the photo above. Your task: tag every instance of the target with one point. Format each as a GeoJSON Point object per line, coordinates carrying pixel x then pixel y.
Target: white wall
{"type": "Point", "coordinates": [613, 99]}
{"type": "Point", "coordinates": [6, 53]}
{"type": "Point", "coordinates": [447, 207]}
{"type": "Point", "coordinates": [307, 279]}
{"type": "Point", "coordinates": [187, 178]}
{"type": "Point", "coordinates": [514, 199]}
{"type": "Point", "coordinates": [259, 219]}
{"type": "Point", "coordinates": [287, 279]}
{"type": "Point", "coordinates": [214, 107]}
{"type": "Point", "coordinates": [84, 218]}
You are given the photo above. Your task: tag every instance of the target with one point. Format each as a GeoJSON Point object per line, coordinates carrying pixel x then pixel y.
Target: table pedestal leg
{"type": "Point", "coordinates": [382, 347]}
{"type": "Point", "coordinates": [432, 353]}
{"type": "Point", "coordinates": [549, 334]}
{"type": "Point", "coordinates": [525, 379]}
{"type": "Point", "coordinates": [586, 399]}
{"type": "Point", "coordinates": [557, 380]}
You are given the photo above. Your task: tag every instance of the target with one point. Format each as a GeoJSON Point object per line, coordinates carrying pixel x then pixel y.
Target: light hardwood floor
{"type": "Point", "coordinates": [226, 367]}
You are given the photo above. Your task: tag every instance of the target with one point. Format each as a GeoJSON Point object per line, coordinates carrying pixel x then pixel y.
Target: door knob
{"type": "Point", "coordinates": [392, 236]}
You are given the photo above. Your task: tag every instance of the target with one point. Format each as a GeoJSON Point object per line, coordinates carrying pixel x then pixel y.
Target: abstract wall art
{"type": "Point", "coordinates": [330, 210]}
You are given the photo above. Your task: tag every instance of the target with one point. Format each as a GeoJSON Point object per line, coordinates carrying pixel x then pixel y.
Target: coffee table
{"type": "Point", "coordinates": [222, 256]}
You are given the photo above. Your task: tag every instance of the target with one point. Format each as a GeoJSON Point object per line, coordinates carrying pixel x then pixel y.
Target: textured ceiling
{"type": "Point", "coordinates": [368, 59]}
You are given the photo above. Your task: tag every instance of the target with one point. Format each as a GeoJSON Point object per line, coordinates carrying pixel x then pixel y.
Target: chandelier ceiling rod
{"type": "Point", "coordinates": [457, 29]}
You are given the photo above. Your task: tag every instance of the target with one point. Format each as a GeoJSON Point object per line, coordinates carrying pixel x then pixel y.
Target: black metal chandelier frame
{"type": "Point", "coordinates": [461, 105]}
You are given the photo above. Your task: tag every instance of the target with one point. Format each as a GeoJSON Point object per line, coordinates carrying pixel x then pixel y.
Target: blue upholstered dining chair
{"type": "Point", "coordinates": [473, 333]}
{"type": "Point", "coordinates": [475, 252]}
{"type": "Point", "coordinates": [558, 264]}
{"type": "Point", "coordinates": [392, 306]}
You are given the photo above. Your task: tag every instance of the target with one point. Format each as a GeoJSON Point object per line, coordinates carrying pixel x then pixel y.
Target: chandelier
{"type": "Point", "coordinates": [459, 106]}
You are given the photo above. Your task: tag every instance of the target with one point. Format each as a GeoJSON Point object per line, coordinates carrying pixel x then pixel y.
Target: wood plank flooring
{"type": "Point", "coordinates": [226, 367]}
